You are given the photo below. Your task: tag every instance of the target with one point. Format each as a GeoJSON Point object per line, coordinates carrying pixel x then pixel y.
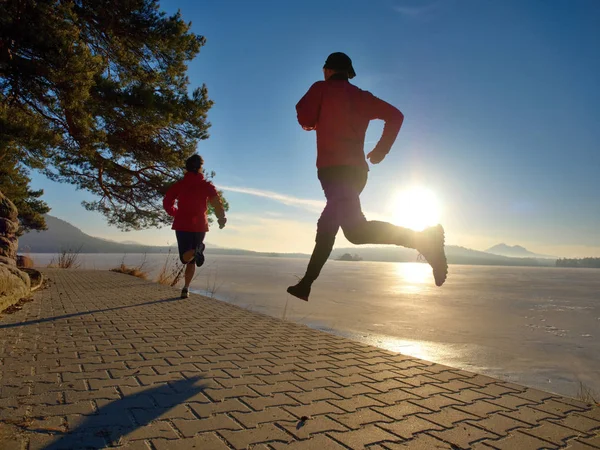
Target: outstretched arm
{"type": "Point", "coordinates": [309, 106]}
{"type": "Point", "coordinates": [219, 211]}
{"type": "Point", "coordinates": [393, 118]}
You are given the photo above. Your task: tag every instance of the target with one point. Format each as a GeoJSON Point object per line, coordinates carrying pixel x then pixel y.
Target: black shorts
{"type": "Point", "coordinates": [191, 240]}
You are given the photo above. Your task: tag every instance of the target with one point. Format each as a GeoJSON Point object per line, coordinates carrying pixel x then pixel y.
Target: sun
{"type": "Point", "coordinates": [416, 208]}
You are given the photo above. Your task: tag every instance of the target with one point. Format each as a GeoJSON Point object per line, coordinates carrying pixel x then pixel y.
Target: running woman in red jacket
{"type": "Point", "coordinates": [340, 113]}
{"type": "Point", "coordinates": [192, 194]}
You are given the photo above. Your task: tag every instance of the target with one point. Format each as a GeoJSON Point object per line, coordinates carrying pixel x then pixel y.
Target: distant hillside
{"type": "Point", "coordinates": [62, 235]}
{"type": "Point", "coordinates": [515, 251]}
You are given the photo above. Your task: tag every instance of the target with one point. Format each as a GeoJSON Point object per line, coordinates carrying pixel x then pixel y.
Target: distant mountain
{"type": "Point", "coordinates": [515, 251]}
{"type": "Point", "coordinates": [130, 243]}
{"type": "Point", "coordinates": [454, 254]}
{"type": "Point", "coordinates": [62, 235]}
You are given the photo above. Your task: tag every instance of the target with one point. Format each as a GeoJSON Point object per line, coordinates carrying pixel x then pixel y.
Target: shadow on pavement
{"type": "Point", "coordinates": [84, 313]}
{"type": "Point", "coordinates": [121, 417]}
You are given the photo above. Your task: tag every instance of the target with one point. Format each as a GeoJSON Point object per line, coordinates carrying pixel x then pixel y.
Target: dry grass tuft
{"type": "Point", "coordinates": [133, 271]}
{"type": "Point", "coordinates": [67, 259]}
{"type": "Point", "coordinates": [170, 273]}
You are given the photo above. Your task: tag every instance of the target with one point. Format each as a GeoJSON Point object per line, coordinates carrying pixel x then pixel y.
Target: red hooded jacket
{"type": "Point", "coordinates": [192, 194]}
{"type": "Point", "coordinates": [341, 112]}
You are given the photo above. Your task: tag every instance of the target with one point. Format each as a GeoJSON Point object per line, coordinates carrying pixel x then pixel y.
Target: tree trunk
{"type": "Point", "coordinates": [14, 284]}
{"type": "Point", "coordinates": [9, 226]}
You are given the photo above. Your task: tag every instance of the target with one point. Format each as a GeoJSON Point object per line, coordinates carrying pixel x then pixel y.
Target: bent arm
{"type": "Point", "coordinates": [393, 119]}
{"type": "Point", "coordinates": [169, 199]}
{"type": "Point", "coordinates": [309, 106]}
{"type": "Point", "coordinates": [217, 205]}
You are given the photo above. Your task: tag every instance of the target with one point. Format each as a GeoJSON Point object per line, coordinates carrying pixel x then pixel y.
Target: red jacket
{"type": "Point", "coordinates": [341, 112]}
{"type": "Point", "coordinates": [192, 194]}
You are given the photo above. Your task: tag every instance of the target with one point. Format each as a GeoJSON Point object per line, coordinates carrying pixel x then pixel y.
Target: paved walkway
{"type": "Point", "coordinates": [102, 359]}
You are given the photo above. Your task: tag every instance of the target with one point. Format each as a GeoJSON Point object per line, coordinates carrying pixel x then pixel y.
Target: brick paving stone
{"type": "Point", "coordinates": [135, 445]}
{"type": "Point", "coordinates": [592, 413]}
{"type": "Point", "coordinates": [270, 389]}
{"type": "Point", "coordinates": [148, 415]}
{"type": "Point", "coordinates": [580, 423]}
{"type": "Point", "coordinates": [573, 402]}
{"type": "Point", "coordinates": [401, 410]}
{"type": "Point", "coordinates": [315, 425]}
{"type": "Point", "coordinates": [137, 368]}
{"type": "Point", "coordinates": [530, 415]}
{"type": "Point", "coordinates": [238, 391]}
{"type": "Point", "coordinates": [493, 390]}
{"type": "Point", "coordinates": [241, 381]}
{"type": "Point", "coordinates": [260, 403]}
{"type": "Point", "coordinates": [189, 428]}
{"type": "Point", "coordinates": [152, 431]}
{"type": "Point", "coordinates": [479, 408]}
{"type": "Point", "coordinates": [578, 445]}
{"type": "Point", "coordinates": [357, 419]}
{"type": "Point", "coordinates": [204, 441]}
{"type": "Point", "coordinates": [476, 379]}
{"type": "Point", "coordinates": [315, 384]}
{"type": "Point", "coordinates": [447, 376]}
{"type": "Point", "coordinates": [264, 433]}
{"type": "Point", "coordinates": [353, 391]}
{"type": "Point", "coordinates": [349, 380]}
{"type": "Point", "coordinates": [359, 439]}
{"type": "Point", "coordinates": [137, 401]}
{"type": "Point", "coordinates": [383, 375]}
{"type": "Point", "coordinates": [593, 441]}
{"type": "Point", "coordinates": [314, 395]}
{"type": "Point", "coordinates": [252, 419]}
{"type": "Point", "coordinates": [410, 426]}
{"type": "Point", "coordinates": [427, 390]}
{"type": "Point", "coordinates": [535, 395]}
{"type": "Point", "coordinates": [558, 408]}
{"type": "Point", "coordinates": [393, 397]}
{"type": "Point", "coordinates": [353, 404]}
{"type": "Point", "coordinates": [314, 409]}
{"type": "Point", "coordinates": [82, 407]}
{"type": "Point", "coordinates": [467, 396]}
{"type": "Point", "coordinates": [437, 402]}
{"type": "Point", "coordinates": [499, 424]}
{"type": "Point", "coordinates": [463, 435]}
{"type": "Point", "coordinates": [519, 440]}
{"type": "Point", "coordinates": [39, 441]}
{"type": "Point", "coordinates": [320, 442]}
{"type": "Point", "coordinates": [421, 442]}
{"type": "Point", "coordinates": [552, 432]}
{"type": "Point", "coordinates": [454, 386]}
{"type": "Point", "coordinates": [447, 416]}
{"type": "Point", "coordinates": [417, 379]}
{"type": "Point", "coordinates": [510, 402]}
{"type": "Point", "coordinates": [387, 385]}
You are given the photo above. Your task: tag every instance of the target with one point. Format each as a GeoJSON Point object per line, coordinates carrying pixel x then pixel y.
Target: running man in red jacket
{"type": "Point", "coordinates": [340, 113]}
{"type": "Point", "coordinates": [192, 194]}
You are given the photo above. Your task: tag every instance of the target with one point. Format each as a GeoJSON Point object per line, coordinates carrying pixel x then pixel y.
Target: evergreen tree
{"type": "Point", "coordinates": [14, 183]}
{"type": "Point", "coordinates": [94, 93]}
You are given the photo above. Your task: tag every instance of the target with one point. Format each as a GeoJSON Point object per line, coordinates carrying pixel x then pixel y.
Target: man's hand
{"type": "Point", "coordinates": [375, 157]}
{"type": "Point", "coordinates": [222, 222]}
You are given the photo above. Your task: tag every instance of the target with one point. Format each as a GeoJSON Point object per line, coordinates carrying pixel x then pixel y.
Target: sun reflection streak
{"type": "Point", "coordinates": [412, 277]}
{"type": "Point", "coordinates": [417, 349]}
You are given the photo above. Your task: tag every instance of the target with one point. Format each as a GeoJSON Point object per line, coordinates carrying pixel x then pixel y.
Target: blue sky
{"type": "Point", "coordinates": [502, 107]}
